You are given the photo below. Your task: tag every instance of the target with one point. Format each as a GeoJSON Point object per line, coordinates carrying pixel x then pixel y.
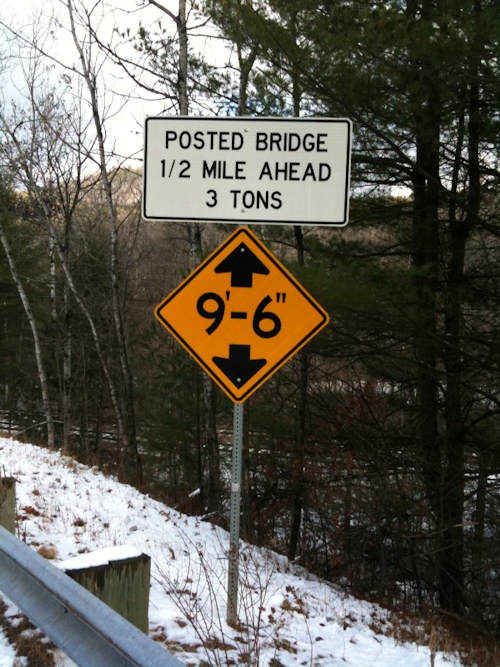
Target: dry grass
{"type": "Point", "coordinates": [28, 641]}
{"type": "Point", "coordinates": [441, 631]}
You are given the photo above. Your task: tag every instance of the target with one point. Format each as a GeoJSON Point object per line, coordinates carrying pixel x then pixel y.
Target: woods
{"type": "Point", "coordinates": [372, 457]}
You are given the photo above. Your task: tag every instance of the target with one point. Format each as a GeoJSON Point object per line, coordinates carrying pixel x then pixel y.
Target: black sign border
{"type": "Point", "coordinates": [239, 221]}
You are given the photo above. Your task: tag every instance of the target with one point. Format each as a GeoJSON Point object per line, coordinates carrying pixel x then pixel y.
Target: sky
{"type": "Point", "coordinates": [127, 114]}
{"type": "Point", "coordinates": [127, 105]}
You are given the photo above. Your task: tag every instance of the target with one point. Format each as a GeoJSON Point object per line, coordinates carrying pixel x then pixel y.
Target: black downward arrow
{"type": "Point", "coordinates": [241, 264]}
{"type": "Point", "coordinates": [239, 368]}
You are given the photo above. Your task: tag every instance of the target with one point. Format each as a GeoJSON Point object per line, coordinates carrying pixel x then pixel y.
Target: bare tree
{"type": "Point", "coordinates": [176, 83]}
{"type": "Point", "coordinates": [80, 17]}
{"type": "Point", "coordinates": [47, 146]}
{"type": "Point", "coordinates": [42, 374]}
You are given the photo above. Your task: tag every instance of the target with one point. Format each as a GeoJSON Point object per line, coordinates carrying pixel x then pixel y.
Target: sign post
{"type": "Point", "coordinates": [234, 516]}
{"type": "Point", "coordinates": [240, 314]}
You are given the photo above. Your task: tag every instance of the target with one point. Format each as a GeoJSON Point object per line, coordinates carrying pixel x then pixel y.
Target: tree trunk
{"type": "Point", "coordinates": [300, 430]}
{"type": "Point", "coordinates": [131, 459]}
{"type": "Point", "coordinates": [183, 59]}
{"type": "Point", "coordinates": [42, 375]}
{"type": "Point", "coordinates": [451, 554]}
{"type": "Point", "coordinates": [425, 244]}
{"type": "Point", "coordinates": [425, 256]}
{"type": "Point", "coordinates": [67, 351]}
{"type": "Point", "coordinates": [194, 235]}
{"type": "Point", "coordinates": [93, 330]}
{"type": "Point", "coordinates": [245, 65]}
{"type": "Point", "coordinates": [452, 567]}
{"type": "Point", "coordinates": [67, 375]}
{"type": "Point", "coordinates": [298, 487]}
{"type": "Point", "coordinates": [211, 440]}
{"type": "Point", "coordinates": [479, 519]}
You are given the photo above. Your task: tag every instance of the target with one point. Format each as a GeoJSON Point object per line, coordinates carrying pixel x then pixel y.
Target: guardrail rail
{"type": "Point", "coordinates": [87, 630]}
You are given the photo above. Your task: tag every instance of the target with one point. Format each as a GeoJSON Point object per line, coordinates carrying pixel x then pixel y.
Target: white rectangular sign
{"type": "Point", "coordinates": [272, 170]}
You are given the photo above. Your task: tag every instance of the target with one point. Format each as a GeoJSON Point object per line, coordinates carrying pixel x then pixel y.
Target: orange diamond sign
{"type": "Point", "coordinates": [241, 315]}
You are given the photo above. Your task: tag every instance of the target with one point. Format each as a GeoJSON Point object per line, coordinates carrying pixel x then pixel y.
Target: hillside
{"type": "Point", "coordinates": [288, 616]}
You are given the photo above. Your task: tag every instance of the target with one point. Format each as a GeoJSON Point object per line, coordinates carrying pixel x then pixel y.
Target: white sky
{"type": "Point", "coordinates": [126, 128]}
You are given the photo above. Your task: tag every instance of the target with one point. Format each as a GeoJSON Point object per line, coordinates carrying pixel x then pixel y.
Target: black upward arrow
{"type": "Point", "coordinates": [241, 264]}
{"type": "Point", "coordinates": [239, 368]}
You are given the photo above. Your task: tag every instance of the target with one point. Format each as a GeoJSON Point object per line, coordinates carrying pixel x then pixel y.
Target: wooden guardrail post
{"type": "Point", "coordinates": [87, 630]}
{"type": "Point", "coordinates": [119, 576]}
{"type": "Point", "coordinates": [8, 503]}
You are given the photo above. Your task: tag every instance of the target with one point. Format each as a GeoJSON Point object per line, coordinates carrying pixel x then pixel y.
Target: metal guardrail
{"type": "Point", "coordinates": [87, 630]}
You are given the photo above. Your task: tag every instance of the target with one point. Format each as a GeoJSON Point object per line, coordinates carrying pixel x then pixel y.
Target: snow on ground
{"type": "Point", "coordinates": [7, 653]}
{"type": "Point", "coordinates": [287, 616]}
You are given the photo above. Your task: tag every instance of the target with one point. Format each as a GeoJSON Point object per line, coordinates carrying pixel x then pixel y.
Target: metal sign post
{"type": "Point", "coordinates": [241, 315]}
{"type": "Point", "coordinates": [234, 527]}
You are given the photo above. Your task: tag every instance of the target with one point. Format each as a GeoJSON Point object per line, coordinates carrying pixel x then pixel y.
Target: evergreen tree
{"type": "Point", "coordinates": [423, 119]}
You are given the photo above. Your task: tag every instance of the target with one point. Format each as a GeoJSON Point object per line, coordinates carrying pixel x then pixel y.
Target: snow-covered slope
{"type": "Point", "coordinates": [7, 653]}
{"type": "Point", "coordinates": [287, 617]}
